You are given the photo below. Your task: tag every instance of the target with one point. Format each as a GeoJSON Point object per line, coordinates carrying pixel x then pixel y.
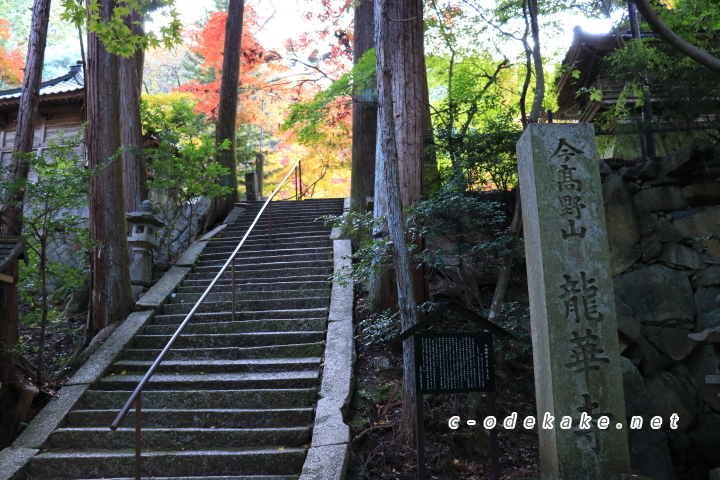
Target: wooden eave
{"type": "Point", "coordinates": [11, 249]}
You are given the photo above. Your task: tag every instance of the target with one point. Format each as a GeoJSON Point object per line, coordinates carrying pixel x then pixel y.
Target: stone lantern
{"type": "Point", "coordinates": [143, 229]}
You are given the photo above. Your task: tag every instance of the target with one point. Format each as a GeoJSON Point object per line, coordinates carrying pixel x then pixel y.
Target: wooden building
{"type": "Point", "coordinates": [61, 109]}
{"type": "Point", "coordinates": [685, 111]}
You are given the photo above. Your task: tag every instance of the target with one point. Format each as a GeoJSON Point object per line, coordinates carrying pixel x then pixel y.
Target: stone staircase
{"type": "Point", "coordinates": [233, 400]}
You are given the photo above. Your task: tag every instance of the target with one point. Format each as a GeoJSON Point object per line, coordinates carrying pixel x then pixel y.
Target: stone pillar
{"type": "Point", "coordinates": [250, 187]}
{"type": "Point", "coordinates": [572, 309]}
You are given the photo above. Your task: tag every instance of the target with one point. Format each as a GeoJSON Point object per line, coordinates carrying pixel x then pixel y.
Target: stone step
{"type": "Point", "coordinates": [178, 438]}
{"type": "Point", "coordinates": [263, 284]}
{"type": "Point", "coordinates": [217, 366]}
{"type": "Point", "coordinates": [247, 305]}
{"type": "Point", "coordinates": [295, 313]}
{"type": "Point", "coordinates": [278, 234]}
{"type": "Point", "coordinates": [212, 340]}
{"type": "Point", "coordinates": [272, 252]}
{"type": "Point", "coordinates": [196, 418]}
{"type": "Point", "coordinates": [202, 399]}
{"type": "Point", "coordinates": [240, 295]}
{"type": "Point", "coordinates": [297, 350]}
{"type": "Point", "coordinates": [93, 464]}
{"type": "Point", "coordinates": [271, 325]}
{"type": "Point", "coordinates": [215, 381]}
{"type": "Point", "coordinates": [304, 241]}
{"type": "Point", "coordinates": [245, 261]}
{"type": "Point", "coordinates": [280, 270]}
{"type": "Point", "coordinates": [294, 226]}
{"type": "Point", "coordinates": [268, 264]}
{"type": "Point", "coordinates": [267, 286]}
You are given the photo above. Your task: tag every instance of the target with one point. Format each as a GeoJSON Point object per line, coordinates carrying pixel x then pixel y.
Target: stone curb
{"type": "Point", "coordinates": [160, 292]}
{"type": "Point", "coordinates": [329, 451]}
{"type": "Point", "coordinates": [14, 459]}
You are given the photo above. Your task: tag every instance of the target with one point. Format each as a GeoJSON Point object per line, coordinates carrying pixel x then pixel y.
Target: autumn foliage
{"type": "Point", "coordinates": [12, 62]}
{"type": "Point", "coordinates": [257, 64]}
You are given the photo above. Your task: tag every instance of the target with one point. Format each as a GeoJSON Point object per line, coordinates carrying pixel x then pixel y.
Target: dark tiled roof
{"type": "Point", "coordinates": [73, 81]}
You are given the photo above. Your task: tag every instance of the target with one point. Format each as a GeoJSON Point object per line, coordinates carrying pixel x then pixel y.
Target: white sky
{"type": "Point", "coordinates": [286, 21]}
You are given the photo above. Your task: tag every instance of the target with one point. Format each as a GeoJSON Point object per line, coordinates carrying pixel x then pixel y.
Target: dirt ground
{"type": "Point", "coordinates": [463, 453]}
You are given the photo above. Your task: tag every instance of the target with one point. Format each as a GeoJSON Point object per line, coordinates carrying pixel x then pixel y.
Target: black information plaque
{"type": "Point", "coordinates": [454, 362]}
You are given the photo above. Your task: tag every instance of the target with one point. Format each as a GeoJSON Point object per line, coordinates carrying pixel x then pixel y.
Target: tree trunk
{"type": "Point", "coordinates": [12, 215]}
{"type": "Point", "coordinates": [412, 108]}
{"type": "Point", "coordinates": [134, 174]}
{"type": "Point", "coordinates": [388, 158]}
{"type": "Point", "coordinates": [364, 116]}
{"type": "Point", "coordinates": [659, 27]}
{"type": "Point", "coordinates": [537, 60]}
{"type": "Point", "coordinates": [227, 112]}
{"type": "Point", "coordinates": [110, 295]}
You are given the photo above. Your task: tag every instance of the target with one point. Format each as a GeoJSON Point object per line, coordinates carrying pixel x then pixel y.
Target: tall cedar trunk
{"type": "Point", "coordinates": [364, 116]}
{"type": "Point", "coordinates": [134, 175]}
{"type": "Point", "coordinates": [390, 189]}
{"type": "Point", "coordinates": [110, 297]}
{"type": "Point", "coordinates": [227, 112]}
{"type": "Point", "coordinates": [12, 216]}
{"type": "Point", "coordinates": [412, 108]}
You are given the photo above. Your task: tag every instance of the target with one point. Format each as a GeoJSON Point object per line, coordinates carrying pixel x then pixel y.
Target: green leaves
{"type": "Point", "coordinates": [308, 118]}
{"type": "Point", "coordinates": [115, 32]}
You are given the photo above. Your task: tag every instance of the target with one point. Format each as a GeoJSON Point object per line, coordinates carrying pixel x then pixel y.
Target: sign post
{"type": "Point", "coordinates": [454, 363]}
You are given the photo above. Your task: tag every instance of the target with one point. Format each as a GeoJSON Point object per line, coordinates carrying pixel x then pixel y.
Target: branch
{"type": "Point", "coordinates": [659, 27]}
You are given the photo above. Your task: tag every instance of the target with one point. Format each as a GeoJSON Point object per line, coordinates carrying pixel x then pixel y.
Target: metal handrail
{"type": "Point", "coordinates": [136, 396]}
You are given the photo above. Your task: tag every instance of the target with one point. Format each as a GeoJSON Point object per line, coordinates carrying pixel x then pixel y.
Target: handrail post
{"type": "Point", "coordinates": [138, 436]}
{"type": "Point", "coordinates": [299, 175]}
{"type": "Point", "coordinates": [232, 286]}
{"type": "Point", "coordinates": [270, 213]}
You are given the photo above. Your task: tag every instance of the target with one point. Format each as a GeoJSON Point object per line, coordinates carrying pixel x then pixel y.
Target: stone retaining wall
{"type": "Point", "coordinates": [661, 216]}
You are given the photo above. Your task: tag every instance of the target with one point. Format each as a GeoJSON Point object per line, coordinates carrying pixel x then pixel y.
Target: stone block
{"type": "Point", "coordinates": [646, 170]}
{"type": "Point", "coordinates": [191, 254]}
{"type": "Point", "coordinates": [160, 292]}
{"type": "Point", "coordinates": [703, 362]}
{"type": "Point", "coordinates": [666, 231]}
{"type": "Point", "coordinates": [673, 342]}
{"type": "Point", "coordinates": [660, 199]}
{"type": "Point", "coordinates": [700, 222]}
{"type": "Point", "coordinates": [649, 453]}
{"type": "Point", "coordinates": [679, 256]}
{"type": "Point", "coordinates": [708, 310]}
{"type": "Point", "coordinates": [338, 367]}
{"type": "Point", "coordinates": [709, 277]}
{"type": "Point", "coordinates": [329, 429]}
{"type": "Point", "coordinates": [658, 296]}
{"type": "Point", "coordinates": [682, 161]}
{"type": "Point", "coordinates": [622, 225]}
{"type": "Point", "coordinates": [328, 462]}
{"type": "Point", "coordinates": [650, 248]}
{"type": "Point", "coordinates": [707, 439]}
{"type": "Point", "coordinates": [674, 391]}
{"type": "Point", "coordinates": [13, 462]}
{"type": "Point", "coordinates": [628, 326]}
{"type": "Point", "coordinates": [702, 194]}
